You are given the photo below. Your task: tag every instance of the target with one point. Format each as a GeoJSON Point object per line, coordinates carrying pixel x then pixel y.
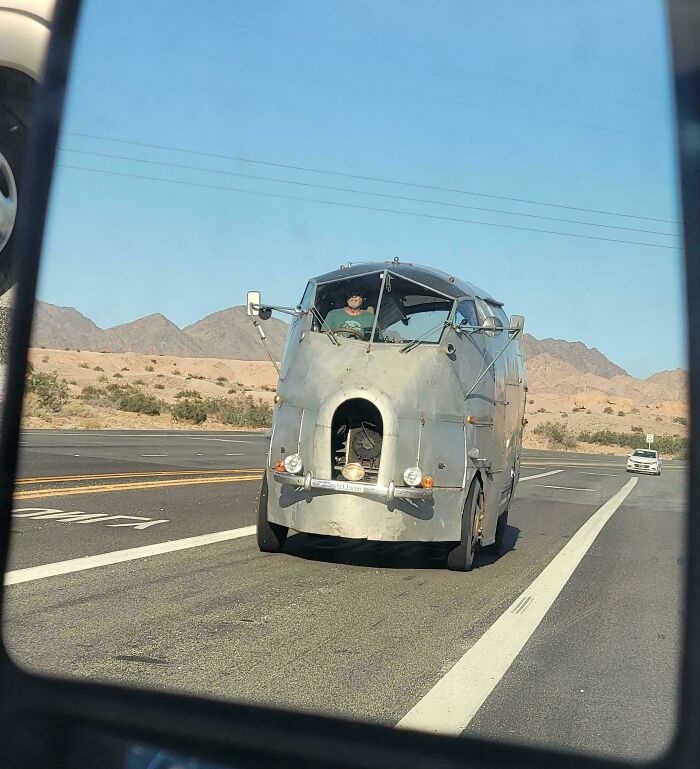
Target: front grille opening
{"type": "Point", "coordinates": [356, 436]}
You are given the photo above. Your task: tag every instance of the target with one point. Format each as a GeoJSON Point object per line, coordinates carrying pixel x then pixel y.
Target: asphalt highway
{"type": "Point", "coordinates": [133, 561]}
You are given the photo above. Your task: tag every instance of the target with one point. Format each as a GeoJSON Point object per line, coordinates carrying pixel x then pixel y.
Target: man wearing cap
{"type": "Point", "coordinates": [352, 316]}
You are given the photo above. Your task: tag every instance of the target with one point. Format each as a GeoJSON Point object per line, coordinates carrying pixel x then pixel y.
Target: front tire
{"type": "Point", "coordinates": [462, 557]}
{"type": "Point", "coordinates": [271, 536]}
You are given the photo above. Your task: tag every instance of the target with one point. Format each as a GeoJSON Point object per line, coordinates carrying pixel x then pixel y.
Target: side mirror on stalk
{"type": "Point", "coordinates": [253, 303]}
{"type": "Point", "coordinates": [517, 323]}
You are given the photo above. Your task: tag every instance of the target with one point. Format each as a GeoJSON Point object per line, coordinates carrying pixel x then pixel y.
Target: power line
{"type": "Point", "coordinates": [362, 192]}
{"type": "Point", "coordinates": [364, 178]}
{"type": "Point", "coordinates": [360, 207]}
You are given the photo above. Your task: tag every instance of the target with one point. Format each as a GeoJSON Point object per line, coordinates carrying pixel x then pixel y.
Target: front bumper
{"type": "Point", "coordinates": [638, 468]}
{"type": "Point", "coordinates": [383, 493]}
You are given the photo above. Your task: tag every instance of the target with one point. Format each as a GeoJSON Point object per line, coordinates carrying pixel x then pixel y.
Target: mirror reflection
{"type": "Point", "coordinates": [348, 390]}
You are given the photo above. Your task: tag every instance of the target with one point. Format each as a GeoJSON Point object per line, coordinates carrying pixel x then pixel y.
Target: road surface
{"type": "Point", "coordinates": [133, 561]}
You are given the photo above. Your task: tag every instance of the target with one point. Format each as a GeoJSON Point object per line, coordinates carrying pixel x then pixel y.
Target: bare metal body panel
{"type": "Point", "coordinates": [430, 420]}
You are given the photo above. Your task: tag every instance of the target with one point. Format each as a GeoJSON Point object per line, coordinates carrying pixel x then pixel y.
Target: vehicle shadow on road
{"type": "Point", "coordinates": [383, 555]}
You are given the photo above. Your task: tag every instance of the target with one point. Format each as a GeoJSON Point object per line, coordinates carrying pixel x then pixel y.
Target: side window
{"type": "Point", "coordinates": [499, 312]}
{"type": "Point", "coordinates": [307, 299]}
{"type": "Point", "coordinates": [466, 311]}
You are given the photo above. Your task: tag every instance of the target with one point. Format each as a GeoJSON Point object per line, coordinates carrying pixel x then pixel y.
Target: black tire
{"type": "Point", "coordinates": [462, 557]}
{"type": "Point", "coordinates": [499, 545]}
{"type": "Point", "coordinates": [271, 536]}
{"type": "Point", "coordinates": [13, 136]}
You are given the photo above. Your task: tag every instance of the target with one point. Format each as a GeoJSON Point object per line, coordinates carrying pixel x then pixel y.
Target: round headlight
{"type": "Point", "coordinates": [353, 472]}
{"type": "Point", "coordinates": [293, 464]}
{"type": "Point", "coordinates": [412, 476]}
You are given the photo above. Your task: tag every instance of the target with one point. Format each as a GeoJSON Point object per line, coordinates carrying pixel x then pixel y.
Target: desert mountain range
{"type": "Point", "coordinates": [553, 366]}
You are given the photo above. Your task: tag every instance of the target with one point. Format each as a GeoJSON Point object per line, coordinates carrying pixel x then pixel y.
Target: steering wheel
{"type": "Point", "coordinates": [352, 332]}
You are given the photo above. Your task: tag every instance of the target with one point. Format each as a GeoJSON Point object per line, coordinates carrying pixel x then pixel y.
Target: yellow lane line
{"type": "Point", "coordinates": [75, 490]}
{"type": "Point", "coordinates": [98, 476]}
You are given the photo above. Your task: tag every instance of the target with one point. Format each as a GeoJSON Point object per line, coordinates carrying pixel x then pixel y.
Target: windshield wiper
{"type": "Point", "coordinates": [331, 335]}
{"type": "Point", "coordinates": [422, 337]}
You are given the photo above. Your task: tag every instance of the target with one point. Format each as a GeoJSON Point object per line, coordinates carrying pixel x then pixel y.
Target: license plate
{"type": "Point", "coordinates": [338, 485]}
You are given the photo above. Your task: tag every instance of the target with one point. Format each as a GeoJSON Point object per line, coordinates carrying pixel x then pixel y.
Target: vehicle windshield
{"type": "Point", "coordinates": [645, 453]}
{"type": "Point", "coordinates": [404, 311]}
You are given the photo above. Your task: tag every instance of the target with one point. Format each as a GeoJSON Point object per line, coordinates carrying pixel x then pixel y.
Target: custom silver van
{"type": "Point", "coordinates": [399, 412]}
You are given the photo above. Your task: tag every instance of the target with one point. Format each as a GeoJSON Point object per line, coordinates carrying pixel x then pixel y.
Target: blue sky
{"type": "Point", "coordinates": [561, 103]}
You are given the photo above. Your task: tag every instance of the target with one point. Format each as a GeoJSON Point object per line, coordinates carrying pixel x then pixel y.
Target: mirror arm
{"type": "Point", "coordinates": [293, 311]}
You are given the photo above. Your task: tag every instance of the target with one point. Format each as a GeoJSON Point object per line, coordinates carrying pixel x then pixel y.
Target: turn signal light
{"type": "Point", "coordinates": [279, 465]}
{"type": "Point", "coordinates": [427, 482]}
{"type": "Point", "coordinates": [471, 420]}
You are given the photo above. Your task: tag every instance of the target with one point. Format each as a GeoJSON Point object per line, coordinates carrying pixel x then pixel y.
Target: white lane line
{"type": "Point", "coordinates": [541, 475]}
{"type": "Point", "coordinates": [607, 475]}
{"type": "Point", "coordinates": [234, 455]}
{"type": "Point", "coordinates": [223, 440]}
{"type": "Point", "coordinates": [452, 703]}
{"type": "Point", "coordinates": [154, 455]}
{"type": "Point", "coordinates": [566, 488]}
{"type": "Point", "coordinates": [119, 556]}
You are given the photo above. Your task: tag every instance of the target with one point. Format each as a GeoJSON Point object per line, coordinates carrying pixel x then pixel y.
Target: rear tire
{"type": "Point", "coordinates": [271, 536]}
{"type": "Point", "coordinates": [499, 545]}
{"type": "Point", "coordinates": [462, 557]}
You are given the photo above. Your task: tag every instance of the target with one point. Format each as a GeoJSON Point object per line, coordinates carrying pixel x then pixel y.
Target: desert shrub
{"type": "Point", "coordinates": [84, 365]}
{"type": "Point", "coordinates": [117, 375]}
{"type": "Point", "coordinates": [135, 400]}
{"type": "Point", "coordinates": [102, 378]}
{"type": "Point", "coordinates": [531, 401]}
{"type": "Point", "coordinates": [187, 394]}
{"type": "Point", "coordinates": [607, 410]}
{"type": "Point", "coordinates": [97, 368]}
{"type": "Point", "coordinates": [222, 379]}
{"type": "Point", "coordinates": [621, 413]}
{"type": "Point", "coordinates": [91, 393]}
{"type": "Point", "coordinates": [125, 368]}
{"type": "Point", "coordinates": [635, 410]}
{"type": "Point", "coordinates": [45, 359]}
{"type": "Point", "coordinates": [576, 409]}
{"type": "Point", "coordinates": [153, 360]}
{"type": "Point", "coordinates": [139, 382]}
{"type": "Point", "coordinates": [160, 376]}
{"type": "Point", "coordinates": [50, 391]}
{"type": "Point", "coordinates": [680, 420]}
{"type": "Point", "coordinates": [190, 411]}
{"type": "Point", "coordinates": [636, 429]}
{"type": "Point", "coordinates": [557, 434]}
{"type": "Point", "coordinates": [73, 382]}
{"type": "Point", "coordinates": [231, 390]}
{"type": "Point", "coordinates": [149, 368]}
{"type": "Point", "coordinates": [658, 419]}
{"type": "Point", "coordinates": [195, 376]}
{"type": "Point", "coordinates": [665, 444]}
{"type": "Point", "coordinates": [541, 410]}
{"type": "Point", "coordinates": [176, 372]}
{"type": "Point", "coordinates": [243, 411]}
{"type": "Point", "coordinates": [159, 386]}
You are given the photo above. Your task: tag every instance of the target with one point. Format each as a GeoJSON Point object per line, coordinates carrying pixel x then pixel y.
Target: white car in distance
{"type": "Point", "coordinates": [644, 461]}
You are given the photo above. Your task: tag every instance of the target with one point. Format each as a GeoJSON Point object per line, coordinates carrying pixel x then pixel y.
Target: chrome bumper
{"type": "Point", "coordinates": [384, 493]}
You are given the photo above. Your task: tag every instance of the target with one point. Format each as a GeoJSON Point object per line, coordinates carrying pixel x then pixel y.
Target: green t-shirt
{"type": "Point", "coordinates": [337, 319]}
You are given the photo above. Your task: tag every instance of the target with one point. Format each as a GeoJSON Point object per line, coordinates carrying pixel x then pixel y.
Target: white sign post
{"type": "Point", "coordinates": [650, 439]}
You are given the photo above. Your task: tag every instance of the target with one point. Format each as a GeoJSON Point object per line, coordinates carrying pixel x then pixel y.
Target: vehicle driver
{"type": "Point", "coordinates": [352, 316]}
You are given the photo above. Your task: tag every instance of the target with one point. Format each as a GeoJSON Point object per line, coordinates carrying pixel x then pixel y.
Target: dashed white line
{"type": "Point", "coordinates": [119, 556]}
{"type": "Point", "coordinates": [566, 488]}
{"type": "Point", "coordinates": [541, 475]}
{"type": "Point", "coordinates": [608, 475]}
{"type": "Point", "coordinates": [452, 703]}
{"type": "Point", "coordinates": [154, 455]}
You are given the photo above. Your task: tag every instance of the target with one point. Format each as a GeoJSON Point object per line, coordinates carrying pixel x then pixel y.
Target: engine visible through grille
{"type": "Point", "coordinates": [357, 438]}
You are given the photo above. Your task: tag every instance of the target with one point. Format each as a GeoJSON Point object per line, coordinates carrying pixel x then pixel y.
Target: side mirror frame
{"type": "Point", "coordinates": [253, 300]}
{"type": "Point", "coordinates": [517, 323]}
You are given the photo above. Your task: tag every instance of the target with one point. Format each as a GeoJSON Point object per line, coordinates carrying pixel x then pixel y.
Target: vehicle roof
{"type": "Point", "coordinates": [435, 279]}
